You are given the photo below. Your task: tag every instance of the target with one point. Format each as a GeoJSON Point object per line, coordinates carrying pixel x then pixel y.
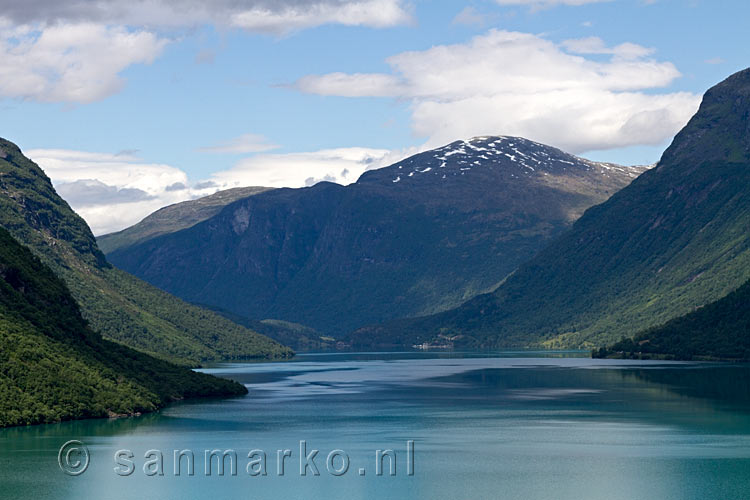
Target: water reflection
{"type": "Point", "coordinates": [508, 426]}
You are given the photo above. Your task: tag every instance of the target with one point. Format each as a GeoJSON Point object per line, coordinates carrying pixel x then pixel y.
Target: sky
{"type": "Point", "coordinates": [131, 106]}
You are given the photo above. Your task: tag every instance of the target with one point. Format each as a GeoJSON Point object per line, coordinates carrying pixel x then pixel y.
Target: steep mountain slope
{"type": "Point", "coordinates": [54, 367]}
{"type": "Point", "coordinates": [174, 218]}
{"type": "Point", "coordinates": [677, 238]}
{"type": "Point", "coordinates": [720, 330]}
{"type": "Point", "coordinates": [417, 237]}
{"type": "Point", "coordinates": [116, 304]}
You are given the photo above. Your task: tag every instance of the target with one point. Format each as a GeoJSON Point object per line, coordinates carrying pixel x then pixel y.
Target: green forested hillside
{"type": "Point", "coordinates": [298, 337]}
{"type": "Point", "coordinates": [54, 367]}
{"type": "Point", "coordinates": [120, 306]}
{"type": "Point", "coordinates": [720, 330]}
{"type": "Point", "coordinates": [675, 239]}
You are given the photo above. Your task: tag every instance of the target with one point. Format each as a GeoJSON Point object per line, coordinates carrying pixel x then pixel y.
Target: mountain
{"type": "Point", "coordinates": [420, 236]}
{"type": "Point", "coordinates": [117, 305]}
{"type": "Point", "coordinates": [720, 330]}
{"type": "Point", "coordinates": [174, 218]}
{"type": "Point", "coordinates": [53, 367]}
{"type": "Point", "coordinates": [677, 238]}
{"type": "Point", "coordinates": [296, 336]}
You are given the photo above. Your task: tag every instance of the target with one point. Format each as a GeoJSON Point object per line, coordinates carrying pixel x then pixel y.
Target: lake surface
{"type": "Point", "coordinates": [506, 425]}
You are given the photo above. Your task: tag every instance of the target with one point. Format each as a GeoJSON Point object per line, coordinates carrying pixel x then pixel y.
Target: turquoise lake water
{"type": "Point", "coordinates": [506, 425]}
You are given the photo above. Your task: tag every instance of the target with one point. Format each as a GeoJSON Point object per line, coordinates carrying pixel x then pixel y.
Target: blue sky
{"type": "Point", "coordinates": [132, 108]}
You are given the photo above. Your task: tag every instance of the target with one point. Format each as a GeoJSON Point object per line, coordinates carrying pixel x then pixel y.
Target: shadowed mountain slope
{"type": "Point", "coordinates": [675, 239]}
{"type": "Point", "coordinates": [174, 218]}
{"type": "Point", "coordinates": [420, 236]}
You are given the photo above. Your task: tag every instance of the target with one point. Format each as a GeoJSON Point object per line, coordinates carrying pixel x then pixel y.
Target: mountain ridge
{"type": "Point", "coordinates": [336, 257]}
{"type": "Point", "coordinates": [675, 239]}
{"type": "Point", "coordinates": [174, 218]}
{"type": "Point", "coordinates": [53, 367]}
{"type": "Point", "coordinates": [117, 305]}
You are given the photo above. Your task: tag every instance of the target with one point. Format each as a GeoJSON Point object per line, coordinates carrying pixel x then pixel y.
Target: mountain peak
{"type": "Point", "coordinates": [512, 157]}
{"type": "Point", "coordinates": [720, 130]}
{"type": "Point", "coordinates": [30, 206]}
{"type": "Point", "coordinates": [673, 240]}
{"type": "Point", "coordinates": [409, 239]}
{"type": "Point", "coordinates": [115, 304]}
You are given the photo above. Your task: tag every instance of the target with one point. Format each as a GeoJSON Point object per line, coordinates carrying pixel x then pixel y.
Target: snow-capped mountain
{"type": "Point", "coordinates": [528, 157]}
{"type": "Point", "coordinates": [514, 157]}
{"type": "Point", "coordinates": [676, 239]}
{"type": "Point", "coordinates": [416, 237]}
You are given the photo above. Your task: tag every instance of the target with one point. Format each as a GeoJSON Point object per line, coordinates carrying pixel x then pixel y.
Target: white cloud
{"type": "Point", "coordinates": [74, 51]}
{"type": "Point", "coordinates": [523, 84]}
{"type": "Point", "coordinates": [595, 45]}
{"type": "Point", "coordinates": [354, 85]}
{"type": "Point", "coordinates": [124, 171]}
{"type": "Point", "coordinates": [282, 19]}
{"type": "Point", "coordinates": [343, 166]}
{"type": "Point", "coordinates": [246, 143]}
{"type": "Point", "coordinates": [114, 191]}
{"type": "Point", "coordinates": [71, 63]}
{"type": "Point", "coordinates": [265, 16]}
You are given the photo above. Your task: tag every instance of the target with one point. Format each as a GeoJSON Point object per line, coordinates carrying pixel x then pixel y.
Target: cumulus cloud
{"type": "Point", "coordinates": [267, 16]}
{"type": "Point", "coordinates": [343, 166]}
{"type": "Point", "coordinates": [70, 62]}
{"type": "Point", "coordinates": [279, 18]}
{"type": "Point", "coordinates": [246, 143]}
{"type": "Point", "coordinates": [114, 191]}
{"type": "Point", "coordinates": [523, 84]}
{"type": "Point", "coordinates": [124, 171]}
{"type": "Point", "coordinates": [74, 51]}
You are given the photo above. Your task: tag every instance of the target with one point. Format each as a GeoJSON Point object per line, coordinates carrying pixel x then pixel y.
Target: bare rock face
{"type": "Point", "coordinates": [241, 220]}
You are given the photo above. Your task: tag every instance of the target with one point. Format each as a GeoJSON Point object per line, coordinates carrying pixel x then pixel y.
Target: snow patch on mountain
{"type": "Point", "coordinates": [513, 154]}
